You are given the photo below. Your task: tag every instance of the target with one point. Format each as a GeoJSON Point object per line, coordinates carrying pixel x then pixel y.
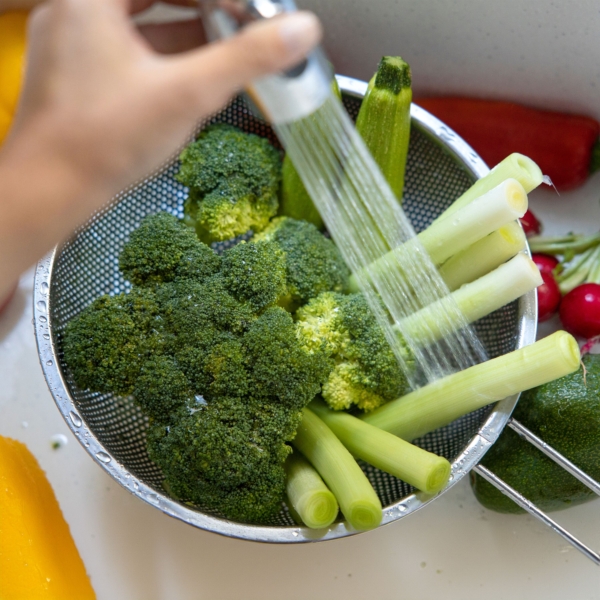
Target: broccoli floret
{"type": "Point", "coordinates": [213, 361]}
{"type": "Point", "coordinates": [162, 249]}
{"type": "Point", "coordinates": [233, 178]}
{"type": "Point", "coordinates": [313, 262]}
{"type": "Point", "coordinates": [281, 368]}
{"type": "Point", "coordinates": [365, 373]}
{"type": "Point", "coordinates": [107, 344]}
{"type": "Point", "coordinates": [226, 456]}
{"type": "Point", "coordinates": [161, 387]}
{"type": "Point", "coordinates": [255, 273]}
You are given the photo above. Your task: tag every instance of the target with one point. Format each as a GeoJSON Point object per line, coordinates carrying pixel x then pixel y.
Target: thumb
{"type": "Point", "coordinates": [210, 76]}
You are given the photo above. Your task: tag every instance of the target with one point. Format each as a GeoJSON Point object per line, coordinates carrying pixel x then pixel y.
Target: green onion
{"type": "Point", "coordinates": [483, 256]}
{"type": "Point", "coordinates": [357, 499]}
{"type": "Point", "coordinates": [439, 403]}
{"type": "Point", "coordinates": [516, 166]}
{"type": "Point", "coordinates": [308, 496]}
{"type": "Point", "coordinates": [569, 245]}
{"type": "Point", "coordinates": [421, 469]}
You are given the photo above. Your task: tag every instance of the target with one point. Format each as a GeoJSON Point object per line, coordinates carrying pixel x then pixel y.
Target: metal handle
{"type": "Point", "coordinates": [526, 504]}
{"type": "Point", "coordinates": [284, 97]}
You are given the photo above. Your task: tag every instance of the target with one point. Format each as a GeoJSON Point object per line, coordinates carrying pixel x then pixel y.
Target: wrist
{"type": "Point", "coordinates": [44, 196]}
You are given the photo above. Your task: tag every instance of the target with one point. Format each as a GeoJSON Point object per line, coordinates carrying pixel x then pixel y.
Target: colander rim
{"type": "Point", "coordinates": [464, 462]}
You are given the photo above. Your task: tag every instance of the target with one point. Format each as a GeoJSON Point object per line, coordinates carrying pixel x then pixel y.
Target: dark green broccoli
{"type": "Point", "coordinates": [227, 456]}
{"type": "Point", "coordinates": [366, 373]}
{"type": "Point", "coordinates": [565, 413]}
{"type": "Point", "coordinates": [281, 366]}
{"type": "Point", "coordinates": [162, 249]}
{"type": "Point", "coordinates": [233, 178]}
{"type": "Point", "coordinates": [212, 360]}
{"type": "Point", "coordinates": [107, 344]}
{"type": "Point", "coordinates": [161, 387]}
{"type": "Point", "coordinates": [313, 262]}
{"type": "Point", "coordinates": [255, 273]}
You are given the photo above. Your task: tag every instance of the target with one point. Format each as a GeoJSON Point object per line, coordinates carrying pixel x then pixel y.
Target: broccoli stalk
{"type": "Point", "coordinates": [421, 469]}
{"type": "Point", "coordinates": [439, 403]}
{"type": "Point", "coordinates": [357, 499]}
{"type": "Point", "coordinates": [308, 496]}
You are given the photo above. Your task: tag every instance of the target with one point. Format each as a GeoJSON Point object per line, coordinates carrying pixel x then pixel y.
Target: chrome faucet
{"type": "Point", "coordinates": [285, 97]}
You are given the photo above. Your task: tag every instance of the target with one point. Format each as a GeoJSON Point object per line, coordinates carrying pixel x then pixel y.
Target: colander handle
{"type": "Point", "coordinates": [531, 508]}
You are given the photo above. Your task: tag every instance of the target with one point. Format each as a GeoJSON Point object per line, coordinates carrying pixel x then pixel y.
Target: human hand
{"type": "Point", "coordinates": [100, 109]}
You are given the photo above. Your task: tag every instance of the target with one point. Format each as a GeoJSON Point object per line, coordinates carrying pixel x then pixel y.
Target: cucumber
{"type": "Point", "coordinates": [565, 413]}
{"type": "Point", "coordinates": [384, 119]}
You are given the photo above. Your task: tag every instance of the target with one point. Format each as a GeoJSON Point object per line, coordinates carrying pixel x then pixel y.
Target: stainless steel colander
{"type": "Point", "coordinates": [112, 429]}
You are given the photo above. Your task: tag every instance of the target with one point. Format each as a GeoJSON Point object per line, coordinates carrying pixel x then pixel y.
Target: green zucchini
{"type": "Point", "coordinates": [384, 119]}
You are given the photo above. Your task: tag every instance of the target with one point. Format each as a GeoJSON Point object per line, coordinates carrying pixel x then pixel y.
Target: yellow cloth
{"type": "Point", "coordinates": [12, 61]}
{"type": "Point", "coordinates": [38, 557]}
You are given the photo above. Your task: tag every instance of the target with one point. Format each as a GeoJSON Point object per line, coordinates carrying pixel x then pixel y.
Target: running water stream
{"type": "Point", "coordinates": [366, 221]}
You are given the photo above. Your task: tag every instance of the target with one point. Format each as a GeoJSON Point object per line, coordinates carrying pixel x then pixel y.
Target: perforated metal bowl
{"type": "Point", "coordinates": [112, 429]}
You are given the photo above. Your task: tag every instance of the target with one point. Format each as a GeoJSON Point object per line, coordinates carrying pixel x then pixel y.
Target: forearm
{"type": "Point", "coordinates": [42, 199]}
{"type": "Point", "coordinates": [6, 5]}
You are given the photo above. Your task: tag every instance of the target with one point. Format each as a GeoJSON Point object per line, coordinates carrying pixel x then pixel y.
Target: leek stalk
{"type": "Point", "coordinates": [516, 166]}
{"type": "Point", "coordinates": [475, 300]}
{"type": "Point", "coordinates": [357, 499]}
{"type": "Point", "coordinates": [484, 256]}
{"type": "Point", "coordinates": [310, 498]}
{"type": "Point", "coordinates": [439, 403]}
{"type": "Point", "coordinates": [421, 469]}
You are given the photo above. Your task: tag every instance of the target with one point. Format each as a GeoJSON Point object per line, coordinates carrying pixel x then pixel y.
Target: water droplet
{"type": "Point", "coordinates": [41, 306]}
{"type": "Point", "coordinates": [103, 457]}
{"type": "Point", "coordinates": [136, 485]}
{"type": "Point", "coordinates": [402, 508]}
{"type": "Point", "coordinates": [49, 363]}
{"type": "Point", "coordinates": [295, 533]}
{"type": "Point", "coordinates": [44, 287]}
{"type": "Point", "coordinates": [46, 336]}
{"type": "Point", "coordinates": [75, 419]}
{"type": "Point", "coordinates": [58, 441]}
{"type": "Point", "coordinates": [43, 319]}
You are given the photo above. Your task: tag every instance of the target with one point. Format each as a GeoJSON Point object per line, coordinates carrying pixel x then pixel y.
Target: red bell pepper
{"type": "Point", "coordinates": [565, 146]}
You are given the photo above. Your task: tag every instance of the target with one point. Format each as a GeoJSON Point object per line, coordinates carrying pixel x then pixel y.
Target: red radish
{"type": "Point", "coordinates": [580, 310]}
{"type": "Point", "coordinates": [531, 226]}
{"type": "Point", "coordinates": [548, 296]}
{"type": "Point", "coordinates": [545, 262]}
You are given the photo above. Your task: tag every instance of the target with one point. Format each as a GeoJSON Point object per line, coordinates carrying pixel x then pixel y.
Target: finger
{"type": "Point", "coordinates": [171, 38]}
{"type": "Point", "coordinates": [259, 49]}
{"type": "Point", "coordinates": [136, 6]}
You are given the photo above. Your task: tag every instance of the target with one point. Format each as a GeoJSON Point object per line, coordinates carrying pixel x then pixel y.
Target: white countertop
{"type": "Point", "coordinates": [452, 549]}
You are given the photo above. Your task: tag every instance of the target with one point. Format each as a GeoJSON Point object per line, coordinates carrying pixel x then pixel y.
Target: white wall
{"type": "Point", "coordinates": [546, 52]}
